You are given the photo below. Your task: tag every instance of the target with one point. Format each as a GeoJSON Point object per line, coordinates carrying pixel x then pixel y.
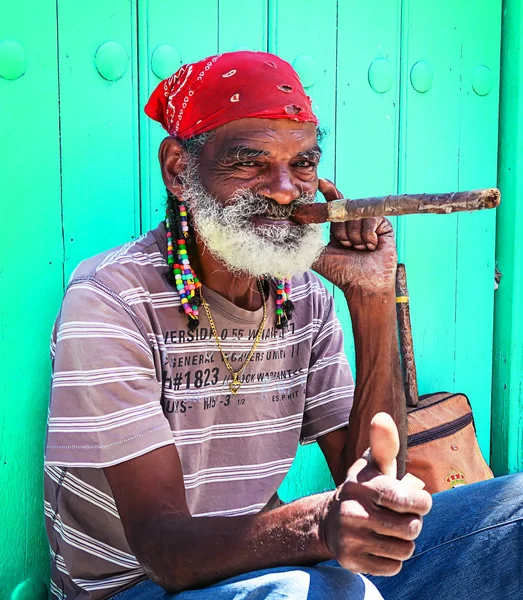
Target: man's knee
{"type": "Point", "coordinates": [331, 582]}
{"type": "Point", "coordinates": [326, 581]}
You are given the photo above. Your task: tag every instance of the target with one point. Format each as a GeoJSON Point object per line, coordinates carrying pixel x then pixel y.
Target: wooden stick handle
{"type": "Point", "coordinates": [391, 206]}
{"type": "Point", "coordinates": [408, 362]}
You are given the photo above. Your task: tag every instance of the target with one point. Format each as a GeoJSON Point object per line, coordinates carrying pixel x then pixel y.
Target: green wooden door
{"type": "Point", "coordinates": [31, 283]}
{"type": "Point", "coordinates": [408, 91]}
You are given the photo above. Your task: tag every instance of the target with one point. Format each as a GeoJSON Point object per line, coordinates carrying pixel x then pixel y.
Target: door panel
{"type": "Point", "coordinates": [480, 28]}
{"type": "Point", "coordinates": [31, 282]}
{"type": "Point", "coordinates": [98, 113]}
{"type": "Point", "coordinates": [186, 32]}
{"type": "Point", "coordinates": [367, 117]}
{"type": "Point", "coordinates": [429, 152]}
{"type": "Point", "coordinates": [307, 39]}
{"type": "Point", "coordinates": [242, 26]}
{"type": "Point", "coordinates": [448, 142]}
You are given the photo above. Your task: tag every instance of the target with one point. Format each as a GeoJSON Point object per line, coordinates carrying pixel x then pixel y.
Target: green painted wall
{"type": "Point", "coordinates": [78, 166]}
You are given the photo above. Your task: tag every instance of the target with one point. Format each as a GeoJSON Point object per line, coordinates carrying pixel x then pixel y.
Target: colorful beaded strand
{"type": "Point", "coordinates": [191, 282]}
{"type": "Point", "coordinates": [185, 279]}
{"type": "Point", "coordinates": [284, 305]}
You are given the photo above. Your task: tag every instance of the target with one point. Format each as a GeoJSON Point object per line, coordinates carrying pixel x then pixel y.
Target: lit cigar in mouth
{"type": "Point", "coordinates": [391, 206]}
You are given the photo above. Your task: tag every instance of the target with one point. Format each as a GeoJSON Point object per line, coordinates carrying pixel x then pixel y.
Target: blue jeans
{"type": "Point", "coordinates": [326, 581]}
{"type": "Point", "coordinates": [471, 548]}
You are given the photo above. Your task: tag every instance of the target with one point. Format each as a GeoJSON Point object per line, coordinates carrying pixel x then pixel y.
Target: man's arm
{"type": "Point", "coordinates": [361, 260]}
{"type": "Point", "coordinates": [379, 385]}
{"type": "Point", "coordinates": [368, 524]}
{"type": "Point", "coordinates": [179, 551]}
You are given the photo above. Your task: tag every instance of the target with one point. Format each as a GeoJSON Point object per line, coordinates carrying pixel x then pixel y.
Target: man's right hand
{"type": "Point", "coordinates": [373, 519]}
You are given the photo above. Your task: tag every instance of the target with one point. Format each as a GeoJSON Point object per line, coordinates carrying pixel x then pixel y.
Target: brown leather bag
{"type": "Point", "coordinates": [442, 448]}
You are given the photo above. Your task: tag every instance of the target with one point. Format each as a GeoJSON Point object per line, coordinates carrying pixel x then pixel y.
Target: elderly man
{"type": "Point", "coordinates": [189, 364]}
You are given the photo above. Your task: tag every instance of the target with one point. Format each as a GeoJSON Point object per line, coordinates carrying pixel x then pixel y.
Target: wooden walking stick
{"type": "Point", "coordinates": [391, 206]}
{"type": "Point", "coordinates": [442, 449]}
{"type": "Point", "coordinates": [408, 361]}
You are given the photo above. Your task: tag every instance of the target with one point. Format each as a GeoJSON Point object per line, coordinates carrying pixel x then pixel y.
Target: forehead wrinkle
{"type": "Point", "coordinates": [247, 139]}
{"type": "Point", "coordinates": [263, 136]}
{"type": "Point", "coordinates": [263, 141]}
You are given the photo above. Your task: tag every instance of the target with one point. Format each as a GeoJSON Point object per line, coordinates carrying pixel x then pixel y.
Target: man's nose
{"type": "Point", "coordinates": [281, 186]}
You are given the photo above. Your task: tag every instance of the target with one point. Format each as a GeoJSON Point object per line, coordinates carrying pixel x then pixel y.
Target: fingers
{"type": "Point", "coordinates": [329, 190]}
{"type": "Point", "coordinates": [341, 232]}
{"type": "Point", "coordinates": [368, 552]}
{"type": "Point", "coordinates": [384, 443]}
{"type": "Point", "coordinates": [374, 565]}
{"type": "Point", "coordinates": [371, 527]}
{"type": "Point", "coordinates": [382, 491]}
{"type": "Point", "coordinates": [392, 548]}
{"type": "Point", "coordinates": [405, 527]}
{"type": "Point", "coordinates": [399, 497]}
{"type": "Point", "coordinates": [368, 233]}
{"type": "Point", "coordinates": [361, 515]}
{"type": "Point", "coordinates": [354, 234]}
{"type": "Point", "coordinates": [361, 234]}
{"type": "Point", "coordinates": [384, 227]}
{"type": "Point", "coordinates": [371, 538]}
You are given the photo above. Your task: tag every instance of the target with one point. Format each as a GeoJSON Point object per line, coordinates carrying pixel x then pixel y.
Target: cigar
{"type": "Point", "coordinates": [391, 206]}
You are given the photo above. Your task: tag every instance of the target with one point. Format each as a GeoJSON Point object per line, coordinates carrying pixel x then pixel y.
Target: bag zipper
{"type": "Point", "coordinates": [412, 409]}
{"type": "Point", "coordinates": [438, 432]}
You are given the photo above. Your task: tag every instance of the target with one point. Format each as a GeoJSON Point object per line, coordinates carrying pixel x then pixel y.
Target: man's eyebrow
{"type": "Point", "coordinates": [242, 152]}
{"type": "Point", "coordinates": [311, 154]}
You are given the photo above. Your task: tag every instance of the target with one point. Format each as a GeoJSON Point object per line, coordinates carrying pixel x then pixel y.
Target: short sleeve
{"type": "Point", "coordinates": [105, 405]}
{"type": "Point", "coordinates": [330, 386]}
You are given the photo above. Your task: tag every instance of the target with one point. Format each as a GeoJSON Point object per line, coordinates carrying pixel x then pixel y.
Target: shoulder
{"type": "Point", "coordinates": [309, 288]}
{"type": "Point", "coordinates": [136, 265]}
{"type": "Point", "coordinates": [313, 302]}
{"type": "Point", "coordinates": [124, 285]}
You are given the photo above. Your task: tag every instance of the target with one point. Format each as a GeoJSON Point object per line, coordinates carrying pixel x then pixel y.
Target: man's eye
{"type": "Point", "coordinates": [305, 164]}
{"type": "Point", "coordinates": [246, 163]}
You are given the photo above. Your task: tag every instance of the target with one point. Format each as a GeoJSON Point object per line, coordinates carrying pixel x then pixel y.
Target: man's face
{"type": "Point", "coordinates": [277, 158]}
{"type": "Point", "coordinates": [241, 191]}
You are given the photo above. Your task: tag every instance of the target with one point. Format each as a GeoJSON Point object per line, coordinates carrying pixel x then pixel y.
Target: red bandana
{"type": "Point", "coordinates": [204, 95]}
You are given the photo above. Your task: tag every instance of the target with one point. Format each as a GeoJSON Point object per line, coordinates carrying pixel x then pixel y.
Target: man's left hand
{"type": "Point", "coordinates": [373, 519]}
{"type": "Point", "coordinates": [361, 254]}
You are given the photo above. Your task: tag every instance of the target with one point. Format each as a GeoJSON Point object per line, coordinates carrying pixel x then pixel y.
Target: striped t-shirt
{"type": "Point", "coordinates": [129, 377]}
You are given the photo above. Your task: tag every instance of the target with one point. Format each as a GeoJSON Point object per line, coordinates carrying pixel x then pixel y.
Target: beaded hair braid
{"type": "Point", "coordinates": [182, 276]}
{"type": "Point", "coordinates": [284, 305]}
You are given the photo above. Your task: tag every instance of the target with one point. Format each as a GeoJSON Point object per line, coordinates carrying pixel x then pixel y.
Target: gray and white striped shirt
{"type": "Point", "coordinates": [129, 377]}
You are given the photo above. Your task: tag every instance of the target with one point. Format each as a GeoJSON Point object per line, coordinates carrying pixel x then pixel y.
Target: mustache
{"type": "Point", "coordinates": [263, 206]}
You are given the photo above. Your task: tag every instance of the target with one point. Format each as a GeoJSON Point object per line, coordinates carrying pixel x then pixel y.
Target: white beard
{"type": "Point", "coordinates": [248, 249]}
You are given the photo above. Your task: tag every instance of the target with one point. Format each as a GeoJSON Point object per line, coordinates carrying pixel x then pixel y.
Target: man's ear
{"type": "Point", "coordinates": [172, 161]}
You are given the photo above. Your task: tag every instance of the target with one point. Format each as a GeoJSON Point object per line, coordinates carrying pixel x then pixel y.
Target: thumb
{"type": "Point", "coordinates": [384, 443]}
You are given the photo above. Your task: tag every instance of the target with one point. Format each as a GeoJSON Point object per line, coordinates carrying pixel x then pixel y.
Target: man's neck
{"type": "Point", "coordinates": [241, 290]}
